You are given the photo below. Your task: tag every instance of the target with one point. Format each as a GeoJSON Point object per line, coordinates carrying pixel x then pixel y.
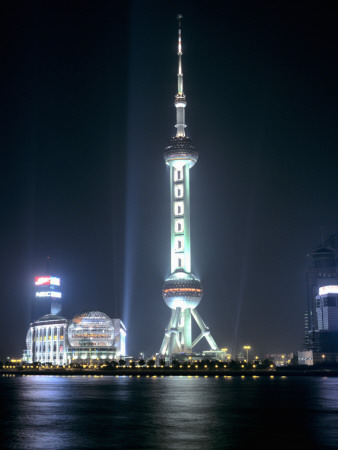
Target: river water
{"type": "Point", "coordinates": [81, 412]}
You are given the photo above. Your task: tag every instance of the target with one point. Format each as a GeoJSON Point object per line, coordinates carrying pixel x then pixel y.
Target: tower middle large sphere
{"type": "Point", "coordinates": [180, 148]}
{"type": "Point", "coordinates": [182, 290]}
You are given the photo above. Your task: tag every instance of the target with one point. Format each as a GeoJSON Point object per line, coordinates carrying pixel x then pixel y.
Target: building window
{"type": "Point", "coordinates": [330, 301]}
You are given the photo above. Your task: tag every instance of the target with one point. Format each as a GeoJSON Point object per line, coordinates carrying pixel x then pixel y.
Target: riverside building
{"type": "Point", "coordinates": [89, 337]}
{"type": "Point", "coordinates": [321, 317]}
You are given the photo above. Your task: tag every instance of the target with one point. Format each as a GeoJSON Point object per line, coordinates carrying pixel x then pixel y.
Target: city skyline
{"type": "Point", "coordinates": [85, 117]}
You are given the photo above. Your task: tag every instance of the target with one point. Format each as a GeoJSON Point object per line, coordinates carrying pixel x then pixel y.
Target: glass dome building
{"type": "Point", "coordinates": [91, 337]}
{"type": "Point", "coordinates": [91, 329]}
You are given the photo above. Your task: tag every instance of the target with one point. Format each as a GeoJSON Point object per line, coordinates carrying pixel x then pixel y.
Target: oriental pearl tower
{"type": "Point", "coordinates": [182, 291]}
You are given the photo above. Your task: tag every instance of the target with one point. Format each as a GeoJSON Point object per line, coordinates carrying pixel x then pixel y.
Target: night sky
{"type": "Point", "coordinates": [87, 109]}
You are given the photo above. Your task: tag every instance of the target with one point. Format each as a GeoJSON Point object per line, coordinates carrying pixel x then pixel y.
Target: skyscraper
{"type": "Point", "coordinates": [47, 294]}
{"type": "Point", "coordinates": [48, 297]}
{"type": "Point", "coordinates": [182, 291]}
{"type": "Point", "coordinates": [321, 317]}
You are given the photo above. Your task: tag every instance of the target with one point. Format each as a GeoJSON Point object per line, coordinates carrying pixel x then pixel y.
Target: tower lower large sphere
{"type": "Point", "coordinates": [182, 290]}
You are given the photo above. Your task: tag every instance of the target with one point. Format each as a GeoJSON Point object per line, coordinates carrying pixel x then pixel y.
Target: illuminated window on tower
{"type": "Point", "coordinates": [179, 228]}
{"type": "Point", "coordinates": [178, 174]}
{"type": "Point", "coordinates": [179, 244]}
{"type": "Point", "coordinates": [179, 190]}
{"type": "Point", "coordinates": [178, 208]}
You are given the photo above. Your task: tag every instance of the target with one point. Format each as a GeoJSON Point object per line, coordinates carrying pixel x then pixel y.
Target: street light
{"type": "Point", "coordinates": [247, 348]}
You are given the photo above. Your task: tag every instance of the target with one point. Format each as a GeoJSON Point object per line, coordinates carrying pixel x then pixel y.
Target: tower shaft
{"type": "Point", "coordinates": [180, 217]}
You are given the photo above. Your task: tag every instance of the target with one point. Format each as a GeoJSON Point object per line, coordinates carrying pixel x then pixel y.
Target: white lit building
{"type": "Point", "coordinates": [47, 340]}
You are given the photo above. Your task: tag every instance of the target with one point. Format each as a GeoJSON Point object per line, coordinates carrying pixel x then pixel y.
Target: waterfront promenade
{"type": "Point", "coordinates": [171, 371]}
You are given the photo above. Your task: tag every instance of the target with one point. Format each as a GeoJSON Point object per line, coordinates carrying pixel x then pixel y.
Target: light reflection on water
{"type": "Point", "coordinates": [41, 412]}
{"type": "Point", "coordinates": [327, 410]}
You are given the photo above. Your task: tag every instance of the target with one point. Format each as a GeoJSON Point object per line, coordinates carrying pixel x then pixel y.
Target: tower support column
{"type": "Point", "coordinates": [187, 330]}
{"type": "Point", "coordinates": [174, 345]}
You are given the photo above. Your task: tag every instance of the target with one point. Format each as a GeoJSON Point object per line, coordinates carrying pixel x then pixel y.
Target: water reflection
{"type": "Point", "coordinates": [168, 413]}
{"type": "Point", "coordinates": [236, 413]}
{"type": "Point", "coordinates": [327, 410]}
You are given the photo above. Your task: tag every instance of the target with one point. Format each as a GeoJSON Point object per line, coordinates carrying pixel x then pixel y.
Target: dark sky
{"type": "Point", "coordinates": [87, 109]}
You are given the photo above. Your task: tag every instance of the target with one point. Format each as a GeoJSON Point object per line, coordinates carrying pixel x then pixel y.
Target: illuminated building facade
{"type": "Point", "coordinates": [182, 291]}
{"type": "Point", "coordinates": [89, 337]}
{"type": "Point", "coordinates": [327, 308]}
{"type": "Point", "coordinates": [47, 340]}
{"type": "Point", "coordinates": [120, 334]}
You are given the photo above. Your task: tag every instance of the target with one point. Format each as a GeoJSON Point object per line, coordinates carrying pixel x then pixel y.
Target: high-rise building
{"type": "Point", "coordinates": [47, 296]}
{"type": "Point", "coordinates": [321, 317]}
{"type": "Point", "coordinates": [182, 291]}
{"type": "Point", "coordinates": [327, 308]}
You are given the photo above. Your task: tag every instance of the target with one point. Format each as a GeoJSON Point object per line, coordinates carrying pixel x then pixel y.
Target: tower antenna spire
{"type": "Point", "coordinates": [180, 102]}
{"type": "Point", "coordinates": [179, 52]}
